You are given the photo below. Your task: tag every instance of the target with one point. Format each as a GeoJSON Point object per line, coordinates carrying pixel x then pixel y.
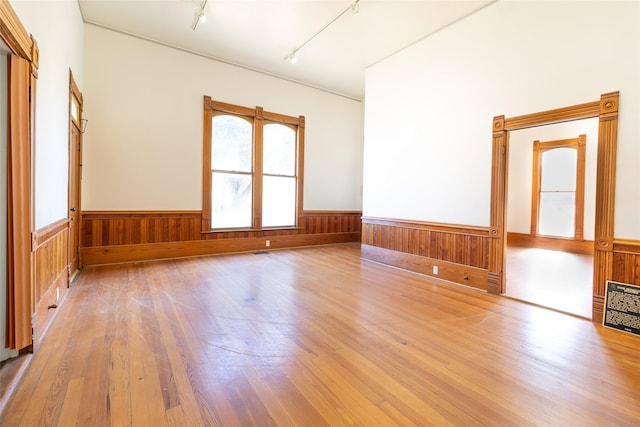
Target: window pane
{"type": "Point", "coordinates": [231, 144]}
{"type": "Point", "coordinates": [231, 200]}
{"type": "Point", "coordinates": [559, 169]}
{"type": "Point", "coordinates": [557, 214]}
{"type": "Point", "coordinates": [279, 150]}
{"type": "Point", "coordinates": [278, 201]}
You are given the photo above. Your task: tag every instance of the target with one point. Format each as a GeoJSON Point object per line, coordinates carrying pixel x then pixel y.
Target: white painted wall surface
{"type": "Point", "coordinates": [521, 169]}
{"type": "Point", "coordinates": [58, 29]}
{"type": "Point", "coordinates": [429, 107]}
{"type": "Point", "coordinates": [143, 144]}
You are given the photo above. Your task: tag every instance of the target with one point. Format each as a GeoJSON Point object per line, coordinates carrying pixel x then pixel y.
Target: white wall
{"type": "Point", "coordinates": [521, 171]}
{"type": "Point", "coordinates": [143, 144]}
{"type": "Point", "coordinates": [57, 27]}
{"type": "Point", "coordinates": [429, 108]}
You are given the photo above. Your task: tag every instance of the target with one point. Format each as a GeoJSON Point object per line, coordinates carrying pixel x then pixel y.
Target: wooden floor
{"type": "Point", "coordinates": [315, 337]}
{"type": "Point", "coordinates": [559, 280]}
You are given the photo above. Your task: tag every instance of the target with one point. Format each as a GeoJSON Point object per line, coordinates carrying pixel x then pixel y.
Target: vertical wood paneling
{"type": "Point", "coordinates": [51, 274]}
{"type": "Point", "coordinates": [131, 228]}
{"type": "Point", "coordinates": [626, 262]}
{"type": "Point", "coordinates": [455, 244]}
{"type": "Point", "coordinates": [51, 261]}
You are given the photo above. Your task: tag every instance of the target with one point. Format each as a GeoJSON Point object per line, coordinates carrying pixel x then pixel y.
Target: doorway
{"type": "Point", "coordinates": [75, 175]}
{"type": "Point", "coordinates": [550, 215]}
{"type": "Point", "coordinates": [606, 110]}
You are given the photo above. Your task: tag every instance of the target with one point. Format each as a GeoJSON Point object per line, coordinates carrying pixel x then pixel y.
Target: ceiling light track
{"type": "Point", "coordinates": [353, 7]}
{"type": "Point", "coordinates": [200, 16]}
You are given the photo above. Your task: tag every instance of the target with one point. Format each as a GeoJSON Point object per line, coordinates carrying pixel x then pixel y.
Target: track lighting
{"type": "Point", "coordinates": [199, 15]}
{"type": "Point", "coordinates": [355, 9]}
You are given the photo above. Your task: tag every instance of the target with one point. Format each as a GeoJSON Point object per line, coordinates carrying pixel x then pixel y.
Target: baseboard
{"type": "Point", "coordinates": [451, 272]}
{"type": "Point", "coordinates": [155, 251]}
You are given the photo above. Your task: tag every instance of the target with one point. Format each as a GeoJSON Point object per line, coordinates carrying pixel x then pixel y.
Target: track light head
{"type": "Point", "coordinates": [355, 7]}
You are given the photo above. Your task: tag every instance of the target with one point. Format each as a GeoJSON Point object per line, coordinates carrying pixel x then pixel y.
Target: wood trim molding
{"type": "Point", "coordinates": [425, 225]}
{"type": "Point", "coordinates": [138, 214]}
{"type": "Point", "coordinates": [606, 109]}
{"type": "Point", "coordinates": [43, 234]}
{"type": "Point", "coordinates": [419, 246]}
{"type": "Point", "coordinates": [14, 34]}
{"type": "Point", "coordinates": [580, 145]}
{"type": "Point", "coordinates": [256, 117]}
{"type": "Point", "coordinates": [154, 251]}
{"type": "Point", "coordinates": [567, 245]}
{"type": "Point", "coordinates": [448, 271]}
{"type": "Point", "coordinates": [558, 115]}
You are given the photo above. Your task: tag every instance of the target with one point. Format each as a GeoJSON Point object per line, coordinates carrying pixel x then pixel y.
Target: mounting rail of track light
{"type": "Point", "coordinates": [200, 16]}
{"type": "Point", "coordinates": [355, 10]}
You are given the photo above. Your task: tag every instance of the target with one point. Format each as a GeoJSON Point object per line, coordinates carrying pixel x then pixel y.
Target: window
{"type": "Point", "coordinates": [252, 168]}
{"type": "Point", "coordinates": [558, 188]}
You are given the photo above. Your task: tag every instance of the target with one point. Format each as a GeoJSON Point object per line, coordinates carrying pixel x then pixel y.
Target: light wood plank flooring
{"type": "Point", "coordinates": [316, 337]}
{"type": "Point", "coordinates": [559, 280]}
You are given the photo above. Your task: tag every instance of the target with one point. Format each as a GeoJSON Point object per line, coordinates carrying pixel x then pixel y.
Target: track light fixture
{"type": "Point", "coordinates": [355, 9]}
{"type": "Point", "coordinates": [199, 15]}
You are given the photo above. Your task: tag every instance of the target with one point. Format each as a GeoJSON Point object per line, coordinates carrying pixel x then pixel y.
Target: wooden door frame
{"type": "Point", "coordinates": [22, 45]}
{"type": "Point", "coordinates": [74, 92]}
{"type": "Point", "coordinates": [606, 109]}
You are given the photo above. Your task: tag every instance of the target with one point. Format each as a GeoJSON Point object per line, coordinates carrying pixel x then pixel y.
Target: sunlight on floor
{"type": "Point", "coordinates": [559, 280]}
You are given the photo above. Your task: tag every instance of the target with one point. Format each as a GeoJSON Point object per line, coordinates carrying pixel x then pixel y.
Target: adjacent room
{"type": "Point", "coordinates": [342, 213]}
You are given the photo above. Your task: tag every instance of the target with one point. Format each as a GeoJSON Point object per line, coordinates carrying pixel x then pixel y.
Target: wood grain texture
{"type": "Point", "coordinates": [322, 339]}
{"type": "Point", "coordinates": [456, 244]}
{"type": "Point", "coordinates": [567, 245]}
{"type": "Point", "coordinates": [154, 251]}
{"type": "Point", "coordinates": [112, 228]}
{"type": "Point", "coordinates": [51, 264]}
{"type": "Point", "coordinates": [606, 109]}
{"type": "Point", "coordinates": [626, 261]}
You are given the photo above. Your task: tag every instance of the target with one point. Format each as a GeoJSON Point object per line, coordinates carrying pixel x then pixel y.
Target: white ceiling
{"type": "Point", "coordinates": [259, 34]}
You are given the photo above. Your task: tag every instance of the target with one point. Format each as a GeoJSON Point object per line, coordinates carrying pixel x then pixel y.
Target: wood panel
{"type": "Point", "coordinates": [51, 275]}
{"type": "Point", "coordinates": [567, 245]}
{"type": "Point", "coordinates": [455, 248]}
{"type": "Point", "coordinates": [626, 261]}
{"type": "Point", "coordinates": [181, 232]}
{"type": "Point", "coordinates": [151, 251]}
{"type": "Point", "coordinates": [323, 339]}
{"type": "Point", "coordinates": [111, 228]}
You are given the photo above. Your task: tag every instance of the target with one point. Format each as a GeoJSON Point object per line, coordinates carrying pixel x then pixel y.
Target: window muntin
{"type": "Point", "coordinates": [252, 168]}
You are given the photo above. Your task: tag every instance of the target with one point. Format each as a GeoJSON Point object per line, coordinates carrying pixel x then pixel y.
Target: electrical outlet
{"type": "Point", "coordinates": [435, 270]}
{"type": "Point", "coordinates": [268, 243]}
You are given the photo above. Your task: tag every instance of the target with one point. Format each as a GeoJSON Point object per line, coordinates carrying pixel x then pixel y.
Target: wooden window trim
{"type": "Point", "coordinates": [258, 117]}
{"type": "Point", "coordinates": [579, 144]}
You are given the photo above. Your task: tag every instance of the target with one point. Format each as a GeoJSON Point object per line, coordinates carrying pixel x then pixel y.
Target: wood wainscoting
{"type": "Point", "coordinates": [460, 253]}
{"type": "Point", "coordinates": [110, 237]}
{"type": "Point", "coordinates": [51, 275]}
{"type": "Point", "coordinates": [626, 261]}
